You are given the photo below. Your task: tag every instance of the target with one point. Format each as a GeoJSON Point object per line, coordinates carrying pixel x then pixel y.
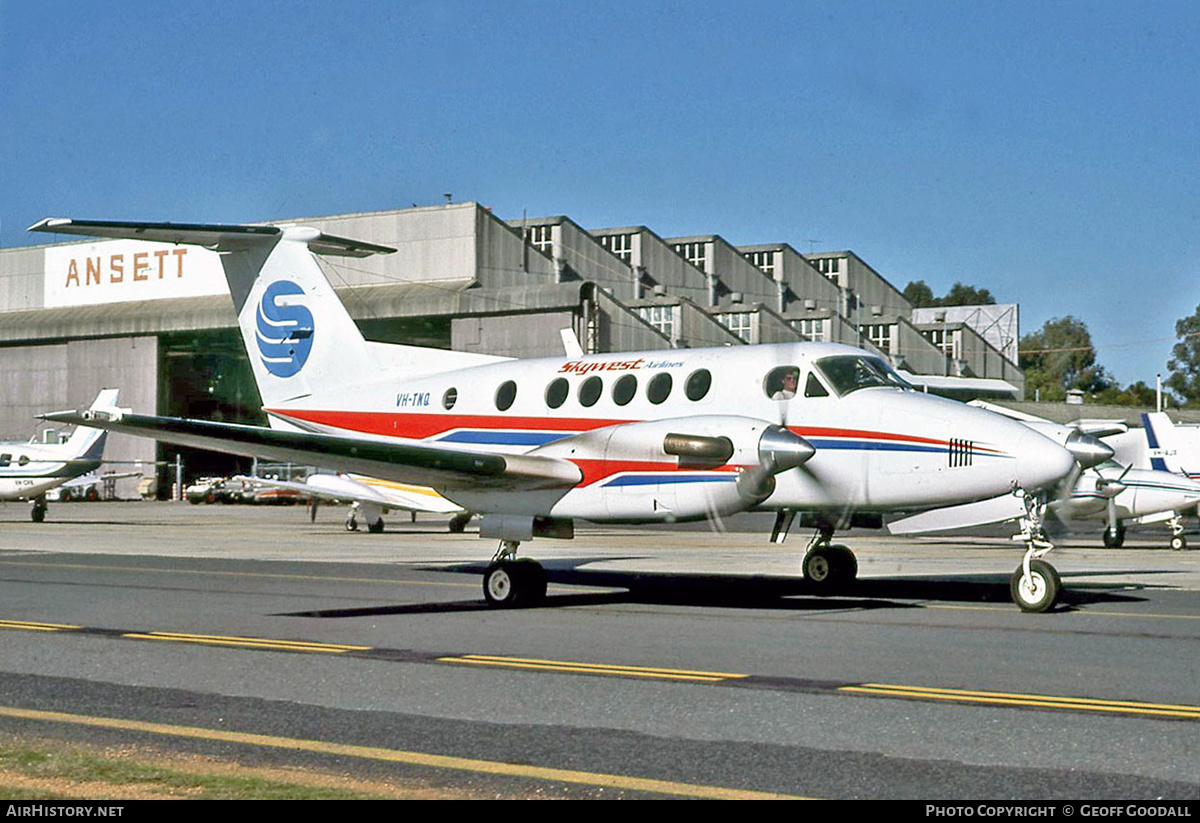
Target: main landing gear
{"type": "Point", "coordinates": [1035, 585]}
{"type": "Point", "coordinates": [37, 513]}
{"type": "Point", "coordinates": [827, 566]}
{"type": "Point", "coordinates": [510, 583]}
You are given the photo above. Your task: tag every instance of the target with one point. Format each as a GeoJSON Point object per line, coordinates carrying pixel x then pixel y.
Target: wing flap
{"type": "Point", "coordinates": [390, 459]}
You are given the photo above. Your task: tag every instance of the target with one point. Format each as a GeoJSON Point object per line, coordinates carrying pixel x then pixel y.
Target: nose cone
{"type": "Point", "coordinates": [1088, 450]}
{"type": "Point", "coordinates": [1040, 462]}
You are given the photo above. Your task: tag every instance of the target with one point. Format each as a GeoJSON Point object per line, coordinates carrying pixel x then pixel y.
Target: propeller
{"type": "Point", "coordinates": [779, 449]}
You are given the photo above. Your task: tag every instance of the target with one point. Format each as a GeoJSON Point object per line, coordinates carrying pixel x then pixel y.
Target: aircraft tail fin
{"type": "Point", "coordinates": [86, 443]}
{"type": "Point", "coordinates": [1164, 443]}
{"type": "Point", "coordinates": [299, 337]}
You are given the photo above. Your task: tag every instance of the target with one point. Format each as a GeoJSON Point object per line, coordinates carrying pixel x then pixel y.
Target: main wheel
{"type": "Point", "coordinates": [458, 523]}
{"type": "Point", "coordinates": [37, 513]}
{"type": "Point", "coordinates": [1039, 591]}
{"type": "Point", "coordinates": [351, 524]}
{"type": "Point", "coordinates": [509, 584]}
{"type": "Point", "coordinates": [830, 568]}
{"type": "Point", "coordinates": [1179, 542]}
{"type": "Point", "coordinates": [376, 527]}
{"type": "Point", "coordinates": [1114, 539]}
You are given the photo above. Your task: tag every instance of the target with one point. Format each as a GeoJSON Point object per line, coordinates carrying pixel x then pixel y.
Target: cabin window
{"type": "Point", "coordinates": [659, 388]}
{"type": "Point", "coordinates": [697, 385]}
{"type": "Point", "coordinates": [624, 389]}
{"type": "Point", "coordinates": [505, 395]}
{"type": "Point", "coordinates": [814, 387]}
{"type": "Point", "coordinates": [449, 399]}
{"type": "Point", "coordinates": [556, 392]}
{"type": "Point", "coordinates": [590, 391]}
{"type": "Point", "coordinates": [781, 383]}
{"type": "Point", "coordinates": [5, 459]}
{"type": "Point", "coordinates": [23, 460]}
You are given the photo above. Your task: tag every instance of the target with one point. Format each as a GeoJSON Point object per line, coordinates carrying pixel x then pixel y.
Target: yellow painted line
{"type": "Point", "coordinates": [1085, 704]}
{"type": "Point", "coordinates": [261, 575]}
{"type": "Point", "coordinates": [437, 761]}
{"type": "Point", "coordinates": [38, 627]}
{"type": "Point", "coordinates": [592, 668]}
{"type": "Point", "coordinates": [1078, 612]}
{"type": "Point", "coordinates": [247, 642]}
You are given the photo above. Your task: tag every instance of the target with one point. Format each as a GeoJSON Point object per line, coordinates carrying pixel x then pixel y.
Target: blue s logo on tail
{"type": "Point", "coordinates": [285, 332]}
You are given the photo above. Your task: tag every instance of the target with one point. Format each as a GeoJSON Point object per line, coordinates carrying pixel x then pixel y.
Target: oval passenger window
{"type": "Point", "coordinates": [556, 392]}
{"type": "Point", "coordinates": [505, 395]}
{"type": "Point", "coordinates": [659, 388]}
{"type": "Point", "coordinates": [590, 391]}
{"type": "Point", "coordinates": [624, 389]}
{"type": "Point", "coordinates": [697, 385]}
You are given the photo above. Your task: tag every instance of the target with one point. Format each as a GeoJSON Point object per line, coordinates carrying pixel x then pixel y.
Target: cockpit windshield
{"type": "Point", "coordinates": [851, 372]}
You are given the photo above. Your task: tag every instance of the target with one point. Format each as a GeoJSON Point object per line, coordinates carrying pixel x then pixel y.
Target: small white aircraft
{"type": "Point", "coordinates": [29, 470]}
{"type": "Point", "coordinates": [646, 437]}
{"type": "Point", "coordinates": [370, 498]}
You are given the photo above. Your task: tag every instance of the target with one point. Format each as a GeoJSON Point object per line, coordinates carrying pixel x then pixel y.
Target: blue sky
{"type": "Point", "coordinates": [1045, 151]}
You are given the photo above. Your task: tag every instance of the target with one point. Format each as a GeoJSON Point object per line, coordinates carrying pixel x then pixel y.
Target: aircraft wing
{"type": "Point", "coordinates": [353, 489]}
{"type": "Point", "coordinates": [406, 461]}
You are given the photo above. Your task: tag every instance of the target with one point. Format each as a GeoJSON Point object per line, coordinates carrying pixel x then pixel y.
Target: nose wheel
{"type": "Point", "coordinates": [1037, 589]}
{"type": "Point", "coordinates": [1035, 584]}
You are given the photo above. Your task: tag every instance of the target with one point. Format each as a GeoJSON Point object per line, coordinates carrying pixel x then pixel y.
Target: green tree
{"type": "Point", "coordinates": [919, 295]}
{"type": "Point", "coordinates": [1184, 365]}
{"type": "Point", "coordinates": [1060, 357]}
{"type": "Point", "coordinates": [960, 295]}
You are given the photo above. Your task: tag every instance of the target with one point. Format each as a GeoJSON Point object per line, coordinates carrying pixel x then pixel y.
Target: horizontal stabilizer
{"type": "Point", "coordinates": [211, 236]}
{"type": "Point", "coordinates": [983, 512]}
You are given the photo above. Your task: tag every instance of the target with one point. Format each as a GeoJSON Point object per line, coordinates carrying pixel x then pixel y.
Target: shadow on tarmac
{"type": "Point", "coordinates": [751, 592]}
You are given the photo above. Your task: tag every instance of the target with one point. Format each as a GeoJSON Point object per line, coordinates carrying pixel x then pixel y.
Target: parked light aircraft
{"type": "Point", "coordinates": [29, 470]}
{"type": "Point", "coordinates": [370, 498]}
{"type": "Point", "coordinates": [533, 445]}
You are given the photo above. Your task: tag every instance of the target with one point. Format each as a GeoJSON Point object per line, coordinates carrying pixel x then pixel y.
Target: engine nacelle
{"type": "Point", "coordinates": [678, 469]}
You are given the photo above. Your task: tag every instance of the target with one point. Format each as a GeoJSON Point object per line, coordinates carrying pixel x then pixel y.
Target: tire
{"type": "Point", "coordinates": [458, 523]}
{"type": "Point", "coordinates": [37, 514]}
{"type": "Point", "coordinates": [1179, 542]}
{"type": "Point", "coordinates": [1114, 540]}
{"type": "Point", "coordinates": [376, 527]}
{"type": "Point", "coordinates": [830, 568]}
{"type": "Point", "coordinates": [511, 584]}
{"type": "Point", "coordinates": [351, 524]}
{"type": "Point", "coordinates": [1040, 593]}
{"type": "Point", "coordinates": [66, 496]}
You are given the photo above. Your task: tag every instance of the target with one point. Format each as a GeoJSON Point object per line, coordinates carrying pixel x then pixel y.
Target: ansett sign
{"type": "Point", "coordinates": [116, 271]}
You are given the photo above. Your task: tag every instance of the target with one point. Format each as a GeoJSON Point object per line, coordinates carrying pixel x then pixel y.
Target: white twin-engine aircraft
{"type": "Point", "coordinates": [825, 430]}
{"type": "Point", "coordinates": [29, 470]}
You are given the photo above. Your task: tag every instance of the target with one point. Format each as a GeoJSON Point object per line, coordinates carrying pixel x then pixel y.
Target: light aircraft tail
{"type": "Point", "coordinates": [1166, 448]}
{"type": "Point", "coordinates": [86, 443]}
{"type": "Point", "coordinates": [301, 341]}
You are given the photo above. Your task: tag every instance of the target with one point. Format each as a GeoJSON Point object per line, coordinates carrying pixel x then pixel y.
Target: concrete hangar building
{"type": "Point", "coordinates": [156, 320]}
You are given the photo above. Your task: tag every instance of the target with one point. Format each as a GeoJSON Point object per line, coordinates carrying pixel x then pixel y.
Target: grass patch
{"type": "Point", "coordinates": [42, 769]}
